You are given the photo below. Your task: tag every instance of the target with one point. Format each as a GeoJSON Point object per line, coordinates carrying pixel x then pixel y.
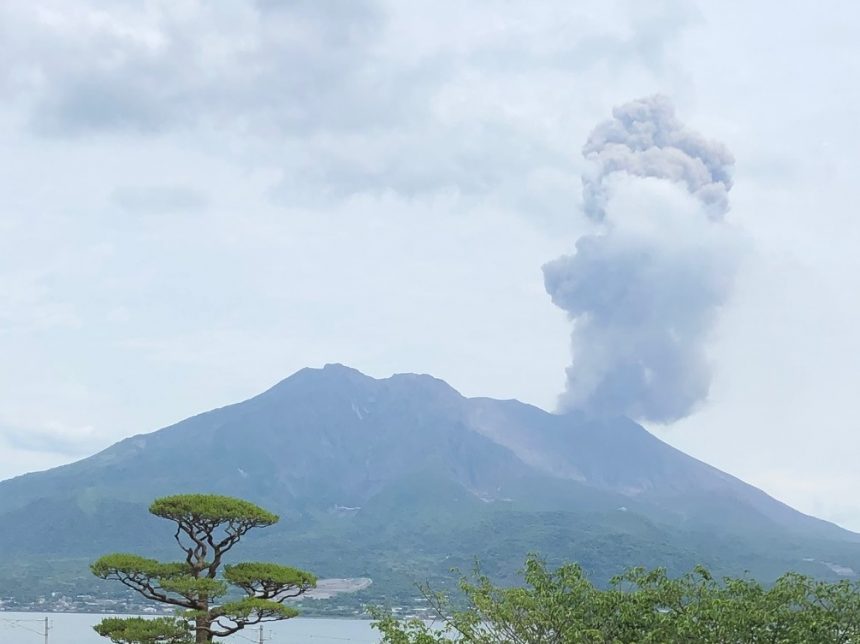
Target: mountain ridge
{"type": "Point", "coordinates": [393, 470]}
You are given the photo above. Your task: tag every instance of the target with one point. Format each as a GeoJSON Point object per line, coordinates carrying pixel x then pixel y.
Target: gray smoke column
{"type": "Point", "coordinates": [643, 290]}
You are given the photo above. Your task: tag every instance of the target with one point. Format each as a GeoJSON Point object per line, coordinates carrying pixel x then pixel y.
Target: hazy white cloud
{"type": "Point", "coordinates": [341, 98]}
{"type": "Point", "coordinates": [52, 436]}
{"type": "Point", "coordinates": [169, 199]}
{"type": "Point", "coordinates": [378, 183]}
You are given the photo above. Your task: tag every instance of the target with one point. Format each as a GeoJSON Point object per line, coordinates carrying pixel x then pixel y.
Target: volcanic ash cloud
{"type": "Point", "coordinates": [643, 291]}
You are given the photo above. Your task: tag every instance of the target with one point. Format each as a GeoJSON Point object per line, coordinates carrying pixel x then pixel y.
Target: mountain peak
{"type": "Point", "coordinates": [337, 377]}
{"type": "Point", "coordinates": [424, 382]}
{"type": "Point", "coordinates": [332, 372]}
{"type": "Point", "coordinates": [339, 368]}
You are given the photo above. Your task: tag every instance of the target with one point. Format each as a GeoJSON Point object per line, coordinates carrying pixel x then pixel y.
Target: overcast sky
{"type": "Point", "coordinates": [197, 199]}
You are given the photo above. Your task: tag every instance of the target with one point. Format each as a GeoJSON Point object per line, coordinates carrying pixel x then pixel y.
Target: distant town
{"type": "Point", "coordinates": [331, 598]}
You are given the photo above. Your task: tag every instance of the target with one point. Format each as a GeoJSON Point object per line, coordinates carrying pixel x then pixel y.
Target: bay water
{"type": "Point", "coordinates": [77, 628]}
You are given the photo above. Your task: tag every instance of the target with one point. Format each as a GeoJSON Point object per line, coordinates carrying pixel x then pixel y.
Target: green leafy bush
{"type": "Point", "coordinates": [644, 607]}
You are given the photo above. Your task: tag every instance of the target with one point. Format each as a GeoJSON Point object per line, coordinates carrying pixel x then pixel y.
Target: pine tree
{"type": "Point", "coordinates": [199, 586]}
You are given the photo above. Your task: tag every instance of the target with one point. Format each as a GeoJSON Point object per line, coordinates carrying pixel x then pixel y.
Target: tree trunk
{"type": "Point", "coordinates": [203, 622]}
{"type": "Point", "coordinates": [203, 634]}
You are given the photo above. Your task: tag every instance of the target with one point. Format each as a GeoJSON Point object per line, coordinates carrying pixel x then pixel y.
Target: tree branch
{"type": "Point", "coordinates": [143, 585]}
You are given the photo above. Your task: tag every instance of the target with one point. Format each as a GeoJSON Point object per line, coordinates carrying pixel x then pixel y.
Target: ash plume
{"type": "Point", "coordinates": [644, 289]}
{"type": "Point", "coordinates": [645, 139]}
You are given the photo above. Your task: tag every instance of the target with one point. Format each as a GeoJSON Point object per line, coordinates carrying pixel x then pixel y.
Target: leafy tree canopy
{"type": "Point", "coordinates": [207, 527]}
{"type": "Point", "coordinates": [201, 508]}
{"type": "Point", "coordinates": [162, 630]}
{"type": "Point", "coordinates": [642, 606]}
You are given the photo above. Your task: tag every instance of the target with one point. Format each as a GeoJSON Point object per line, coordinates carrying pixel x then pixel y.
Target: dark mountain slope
{"type": "Point", "coordinates": [619, 455]}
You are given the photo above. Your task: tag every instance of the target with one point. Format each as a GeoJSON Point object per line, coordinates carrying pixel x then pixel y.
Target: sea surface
{"type": "Point", "coordinates": [77, 628]}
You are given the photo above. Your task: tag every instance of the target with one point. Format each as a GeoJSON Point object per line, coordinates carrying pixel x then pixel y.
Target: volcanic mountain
{"type": "Point", "coordinates": [400, 479]}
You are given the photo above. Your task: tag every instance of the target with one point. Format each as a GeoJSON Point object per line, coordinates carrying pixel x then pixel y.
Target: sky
{"type": "Point", "coordinates": [198, 199]}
